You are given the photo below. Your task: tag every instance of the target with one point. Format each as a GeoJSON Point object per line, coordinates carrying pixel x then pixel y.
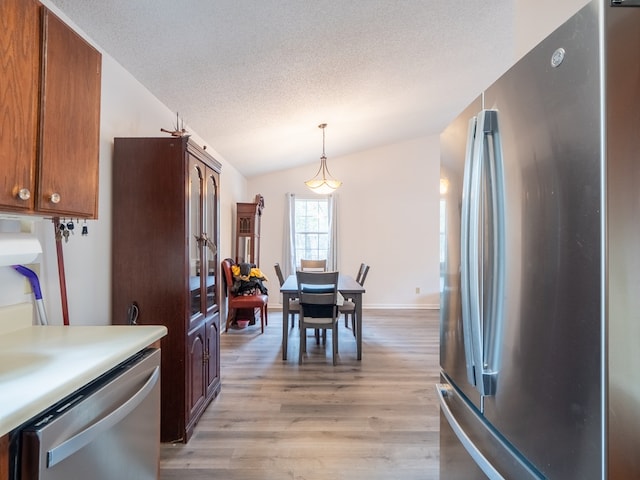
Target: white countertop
{"type": "Point", "coordinates": [40, 365]}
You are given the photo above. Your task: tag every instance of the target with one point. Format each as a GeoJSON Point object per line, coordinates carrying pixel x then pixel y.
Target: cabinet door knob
{"type": "Point", "coordinates": [24, 194]}
{"type": "Point", "coordinates": [55, 198]}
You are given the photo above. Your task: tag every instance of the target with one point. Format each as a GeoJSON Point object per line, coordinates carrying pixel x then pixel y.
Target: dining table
{"type": "Point", "coordinates": [348, 288]}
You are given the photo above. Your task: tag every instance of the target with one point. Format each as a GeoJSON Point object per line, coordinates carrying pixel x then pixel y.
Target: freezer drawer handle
{"type": "Point", "coordinates": [86, 436]}
{"type": "Point", "coordinates": [476, 454]}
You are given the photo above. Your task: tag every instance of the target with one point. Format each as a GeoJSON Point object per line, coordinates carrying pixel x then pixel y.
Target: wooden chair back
{"type": "Point", "coordinates": [279, 273]}
{"type": "Point", "coordinates": [362, 273]}
{"type": "Point", "coordinates": [228, 275]}
{"type": "Point", "coordinates": [318, 295]}
{"type": "Point", "coordinates": [313, 265]}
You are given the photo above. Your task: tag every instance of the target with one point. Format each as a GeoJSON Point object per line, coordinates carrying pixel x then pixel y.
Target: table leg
{"type": "Point", "coordinates": [285, 323]}
{"type": "Point", "coordinates": [357, 299]}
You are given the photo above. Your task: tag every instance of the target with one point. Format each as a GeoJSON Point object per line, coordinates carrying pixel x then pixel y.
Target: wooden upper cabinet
{"type": "Point", "coordinates": [50, 85]}
{"type": "Point", "coordinates": [70, 122]}
{"type": "Point", "coordinates": [19, 87]}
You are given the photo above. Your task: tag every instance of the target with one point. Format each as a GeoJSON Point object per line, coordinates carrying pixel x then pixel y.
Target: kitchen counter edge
{"type": "Point", "coordinates": [41, 365]}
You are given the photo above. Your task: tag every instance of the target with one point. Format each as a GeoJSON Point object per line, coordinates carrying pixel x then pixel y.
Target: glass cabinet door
{"type": "Point", "coordinates": [196, 185]}
{"type": "Point", "coordinates": [245, 250]}
{"type": "Point", "coordinates": [210, 230]}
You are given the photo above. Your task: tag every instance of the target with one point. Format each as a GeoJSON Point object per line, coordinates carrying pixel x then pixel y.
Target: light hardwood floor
{"type": "Point", "coordinates": [377, 419]}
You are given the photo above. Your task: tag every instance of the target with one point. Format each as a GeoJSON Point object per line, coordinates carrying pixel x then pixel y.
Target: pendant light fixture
{"type": "Point", "coordinates": [323, 182]}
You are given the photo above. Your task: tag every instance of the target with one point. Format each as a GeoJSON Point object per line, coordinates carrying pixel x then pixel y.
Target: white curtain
{"type": "Point", "coordinates": [289, 260]}
{"type": "Point", "coordinates": [288, 245]}
{"type": "Point", "coordinates": [332, 254]}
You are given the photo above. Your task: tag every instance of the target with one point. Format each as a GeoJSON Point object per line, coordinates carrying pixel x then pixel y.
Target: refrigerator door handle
{"type": "Point", "coordinates": [496, 250]}
{"type": "Point", "coordinates": [70, 446]}
{"type": "Point", "coordinates": [482, 461]}
{"type": "Point", "coordinates": [486, 248]}
{"type": "Point", "coordinates": [465, 282]}
{"type": "Point", "coordinates": [474, 253]}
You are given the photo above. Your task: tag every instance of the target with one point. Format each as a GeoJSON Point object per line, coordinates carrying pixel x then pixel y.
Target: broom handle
{"type": "Point", "coordinates": [61, 276]}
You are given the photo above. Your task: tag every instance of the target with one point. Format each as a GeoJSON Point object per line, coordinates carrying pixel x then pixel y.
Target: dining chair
{"type": "Point", "coordinates": [313, 265]}
{"type": "Point", "coordinates": [318, 294]}
{"type": "Point", "coordinates": [294, 303]}
{"type": "Point", "coordinates": [348, 307]}
{"type": "Point", "coordinates": [234, 302]}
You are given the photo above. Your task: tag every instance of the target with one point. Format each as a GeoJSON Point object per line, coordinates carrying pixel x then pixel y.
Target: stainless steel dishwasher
{"type": "Point", "coordinates": [108, 430]}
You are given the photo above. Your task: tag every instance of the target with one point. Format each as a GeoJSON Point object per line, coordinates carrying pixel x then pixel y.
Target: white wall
{"type": "Point", "coordinates": [534, 20]}
{"type": "Point", "coordinates": [388, 204]}
{"type": "Point", "coordinates": [127, 109]}
{"type": "Point", "coordinates": [389, 200]}
{"type": "Point", "coordinates": [388, 217]}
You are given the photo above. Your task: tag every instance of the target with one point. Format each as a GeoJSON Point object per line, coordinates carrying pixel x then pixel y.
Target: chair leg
{"type": "Point", "coordinates": [230, 315]}
{"type": "Point", "coordinates": [334, 340]}
{"type": "Point", "coordinates": [303, 343]}
{"type": "Point", "coordinates": [353, 323]}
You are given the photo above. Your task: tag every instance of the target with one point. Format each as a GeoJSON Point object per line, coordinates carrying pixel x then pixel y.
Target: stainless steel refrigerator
{"type": "Point", "coordinates": [540, 307]}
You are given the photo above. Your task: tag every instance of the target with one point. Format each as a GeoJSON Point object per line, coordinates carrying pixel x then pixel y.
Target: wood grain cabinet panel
{"type": "Point", "coordinates": [212, 337]}
{"type": "Point", "coordinates": [19, 89]}
{"type": "Point", "coordinates": [196, 388]}
{"type": "Point", "coordinates": [49, 114]}
{"type": "Point", "coordinates": [70, 122]}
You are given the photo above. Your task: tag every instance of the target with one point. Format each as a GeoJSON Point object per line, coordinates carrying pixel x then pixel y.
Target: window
{"type": "Point", "coordinates": [311, 228]}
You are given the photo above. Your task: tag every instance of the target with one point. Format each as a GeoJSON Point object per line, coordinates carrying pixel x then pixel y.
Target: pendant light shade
{"type": "Point", "coordinates": [323, 182]}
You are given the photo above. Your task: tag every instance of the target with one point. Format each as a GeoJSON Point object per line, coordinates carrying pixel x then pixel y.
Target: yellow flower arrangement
{"type": "Point", "coordinates": [254, 272]}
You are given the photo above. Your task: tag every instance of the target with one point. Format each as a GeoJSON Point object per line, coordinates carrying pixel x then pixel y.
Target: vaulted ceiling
{"type": "Point", "coordinates": [255, 78]}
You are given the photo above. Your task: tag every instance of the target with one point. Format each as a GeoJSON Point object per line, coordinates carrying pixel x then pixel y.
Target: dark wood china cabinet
{"type": "Point", "coordinates": [165, 266]}
{"type": "Point", "coordinates": [248, 216]}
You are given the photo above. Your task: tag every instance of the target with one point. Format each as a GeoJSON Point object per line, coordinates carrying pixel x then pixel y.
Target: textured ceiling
{"type": "Point", "coordinates": [254, 78]}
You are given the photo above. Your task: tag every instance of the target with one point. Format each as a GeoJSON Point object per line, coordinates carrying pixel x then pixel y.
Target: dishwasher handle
{"type": "Point", "coordinates": [72, 445]}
